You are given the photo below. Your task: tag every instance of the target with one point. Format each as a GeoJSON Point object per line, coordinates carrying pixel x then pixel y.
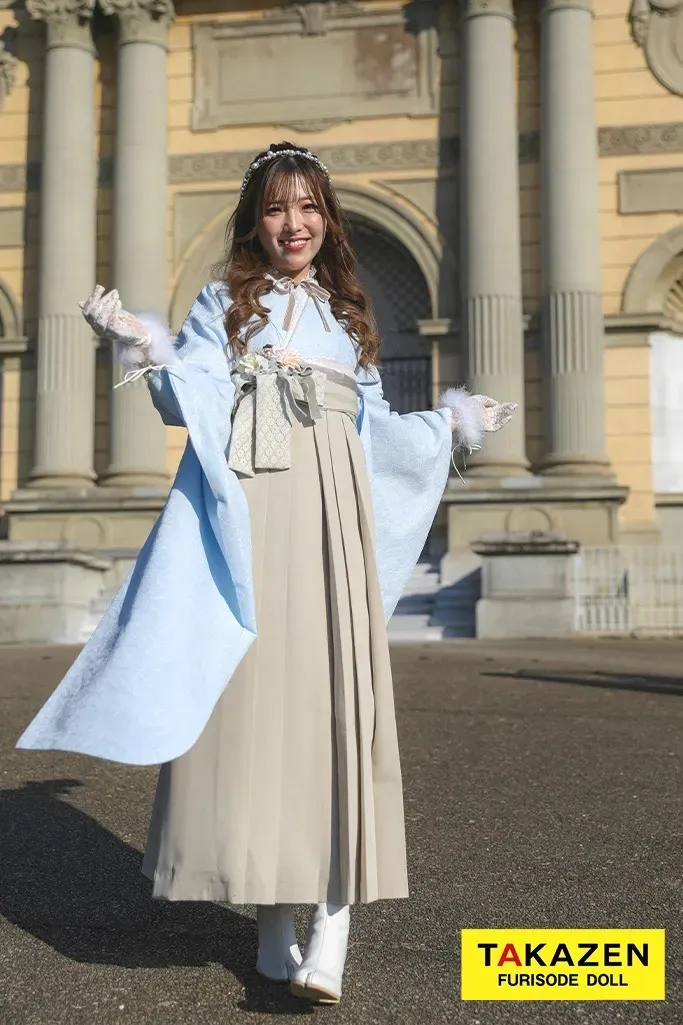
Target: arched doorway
{"type": "Point", "coordinates": [400, 298]}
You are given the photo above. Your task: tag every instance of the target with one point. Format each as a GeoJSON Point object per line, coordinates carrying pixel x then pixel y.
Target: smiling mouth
{"type": "Point", "coordinates": [293, 245]}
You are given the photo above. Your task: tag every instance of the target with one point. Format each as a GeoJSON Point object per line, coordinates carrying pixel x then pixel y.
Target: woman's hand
{"type": "Point", "coordinates": [473, 416]}
{"type": "Point", "coordinates": [494, 414]}
{"type": "Point", "coordinates": [109, 321]}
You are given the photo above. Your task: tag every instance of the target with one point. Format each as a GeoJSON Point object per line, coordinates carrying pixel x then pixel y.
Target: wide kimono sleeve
{"type": "Point", "coordinates": [408, 458]}
{"type": "Point", "coordinates": [200, 354]}
{"type": "Point", "coordinates": [144, 685]}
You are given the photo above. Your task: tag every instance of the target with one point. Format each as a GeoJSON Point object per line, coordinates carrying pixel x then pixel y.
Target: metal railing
{"type": "Point", "coordinates": [407, 382]}
{"type": "Point", "coordinates": [629, 589]}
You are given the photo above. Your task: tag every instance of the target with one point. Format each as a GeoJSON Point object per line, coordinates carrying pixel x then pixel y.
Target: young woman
{"type": "Point", "coordinates": [247, 650]}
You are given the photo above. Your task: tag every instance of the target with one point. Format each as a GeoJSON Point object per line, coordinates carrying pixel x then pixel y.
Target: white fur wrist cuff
{"type": "Point", "coordinates": [467, 415]}
{"type": "Point", "coordinates": [154, 351]}
{"type": "Point", "coordinates": [160, 348]}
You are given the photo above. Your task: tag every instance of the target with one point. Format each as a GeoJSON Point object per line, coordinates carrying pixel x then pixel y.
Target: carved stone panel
{"type": "Point", "coordinates": [347, 62]}
{"type": "Point", "coordinates": [657, 26]}
{"type": "Point", "coordinates": [655, 190]}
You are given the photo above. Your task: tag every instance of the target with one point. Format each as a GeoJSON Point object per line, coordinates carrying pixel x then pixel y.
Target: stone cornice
{"type": "Point", "coordinates": [68, 21]}
{"type": "Point", "coordinates": [416, 154]}
{"type": "Point", "coordinates": [141, 21]}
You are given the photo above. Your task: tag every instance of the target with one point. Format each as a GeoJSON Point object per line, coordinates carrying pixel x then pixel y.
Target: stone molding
{"type": "Point", "coordinates": [67, 21]}
{"type": "Point", "coordinates": [550, 6]}
{"type": "Point", "coordinates": [10, 313]}
{"type": "Point", "coordinates": [141, 21]}
{"type": "Point", "coordinates": [657, 26]}
{"type": "Point", "coordinates": [632, 330]}
{"type": "Point", "coordinates": [653, 274]}
{"type": "Point", "coordinates": [495, 8]}
{"type": "Point", "coordinates": [8, 71]}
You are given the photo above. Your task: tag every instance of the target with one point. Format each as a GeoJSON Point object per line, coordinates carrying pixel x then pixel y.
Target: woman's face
{"type": "Point", "coordinates": [291, 231]}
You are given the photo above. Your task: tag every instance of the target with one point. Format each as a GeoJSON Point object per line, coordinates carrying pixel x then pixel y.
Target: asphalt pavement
{"type": "Point", "coordinates": [542, 787]}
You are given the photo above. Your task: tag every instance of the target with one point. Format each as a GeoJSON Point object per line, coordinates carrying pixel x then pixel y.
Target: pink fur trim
{"type": "Point", "coordinates": [467, 416]}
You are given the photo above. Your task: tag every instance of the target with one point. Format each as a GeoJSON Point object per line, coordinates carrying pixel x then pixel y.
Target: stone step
{"type": "Point", "coordinates": [412, 628]}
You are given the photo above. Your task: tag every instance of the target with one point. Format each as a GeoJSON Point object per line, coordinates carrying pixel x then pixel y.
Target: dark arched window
{"type": "Point", "coordinates": [400, 297]}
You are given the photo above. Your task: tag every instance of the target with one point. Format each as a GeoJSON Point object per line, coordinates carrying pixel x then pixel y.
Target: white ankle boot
{"type": "Point", "coordinates": [319, 976]}
{"type": "Point", "coordinates": [278, 951]}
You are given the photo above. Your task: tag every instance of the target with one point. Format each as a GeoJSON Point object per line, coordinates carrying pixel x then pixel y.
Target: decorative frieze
{"type": "Point", "coordinates": [340, 159]}
{"type": "Point", "coordinates": [141, 21]}
{"type": "Point", "coordinates": [68, 21]}
{"type": "Point", "coordinates": [657, 26]}
{"type": "Point", "coordinates": [623, 140]}
{"type": "Point", "coordinates": [614, 141]}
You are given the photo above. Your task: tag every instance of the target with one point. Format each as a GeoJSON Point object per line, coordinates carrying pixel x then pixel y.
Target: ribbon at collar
{"type": "Point", "coordinates": [265, 399]}
{"type": "Point", "coordinates": [287, 286]}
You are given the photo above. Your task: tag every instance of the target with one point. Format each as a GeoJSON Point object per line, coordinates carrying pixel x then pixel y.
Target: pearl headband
{"type": "Point", "coordinates": [272, 154]}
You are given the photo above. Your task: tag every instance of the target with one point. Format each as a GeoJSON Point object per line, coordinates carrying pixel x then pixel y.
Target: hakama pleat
{"type": "Point", "coordinates": [292, 793]}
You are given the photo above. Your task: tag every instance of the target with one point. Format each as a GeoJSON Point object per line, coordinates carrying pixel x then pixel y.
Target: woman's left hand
{"type": "Point", "coordinates": [494, 414]}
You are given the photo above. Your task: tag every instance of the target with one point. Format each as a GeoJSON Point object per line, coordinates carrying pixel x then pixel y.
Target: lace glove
{"type": "Point", "coordinates": [473, 416]}
{"type": "Point", "coordinates": [140, 344]}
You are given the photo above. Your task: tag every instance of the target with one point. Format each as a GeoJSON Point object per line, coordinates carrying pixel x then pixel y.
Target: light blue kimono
{"type": "Point", "coordinates": [143, 687]}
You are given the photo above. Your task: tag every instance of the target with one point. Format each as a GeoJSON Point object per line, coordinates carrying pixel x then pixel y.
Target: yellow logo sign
{"type": "Point", "coordinates": [563, 964]}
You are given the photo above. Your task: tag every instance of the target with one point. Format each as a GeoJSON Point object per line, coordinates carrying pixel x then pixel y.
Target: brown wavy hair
{"type": "Point", "coordinates": [246, 263]}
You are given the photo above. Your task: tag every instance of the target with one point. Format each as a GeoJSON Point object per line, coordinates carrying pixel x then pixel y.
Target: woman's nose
{"type": "Point", "coordinates": [293, 219]}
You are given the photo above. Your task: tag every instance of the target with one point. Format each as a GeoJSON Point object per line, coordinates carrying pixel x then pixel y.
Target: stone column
{"type": "Point", "coordinates": [138, 439]}
{"type": "Point", "coordinates": [65, 388]}
{"type": "Point", "coordinates": [491, 279]}
{"type": "Point", "coordinates": [571, 303]}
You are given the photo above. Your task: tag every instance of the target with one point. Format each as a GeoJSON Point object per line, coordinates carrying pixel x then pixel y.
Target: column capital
{"type": "Point", "coordinates": [8, 71]}
{"type": "Point", "coordinates": [67, 21]}
{"type": "Point", "coordinates": [497, 8]}
{"type": "Point", "coordinates": [549, 6]}
{"type": "Point", "coordinates": [141, 21]}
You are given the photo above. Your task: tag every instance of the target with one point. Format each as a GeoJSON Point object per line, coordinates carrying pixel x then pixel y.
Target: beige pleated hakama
{"type": "Point", "coordinates": [292, 793]}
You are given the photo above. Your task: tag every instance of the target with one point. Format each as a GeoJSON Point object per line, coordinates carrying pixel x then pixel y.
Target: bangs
{"type": "Point", "coordinates": [284, 185]}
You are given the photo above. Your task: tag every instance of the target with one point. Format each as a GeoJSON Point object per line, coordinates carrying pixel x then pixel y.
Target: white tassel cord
{"type": "Point", "coordinates": [155, 352]}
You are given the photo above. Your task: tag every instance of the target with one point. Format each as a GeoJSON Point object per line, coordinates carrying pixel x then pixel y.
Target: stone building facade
{"type": "Point", "coordinates": [513, 176]}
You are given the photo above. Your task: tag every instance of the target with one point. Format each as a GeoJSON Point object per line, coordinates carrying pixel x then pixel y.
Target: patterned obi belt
{"type": "Point", "coordinates": [269, 397]}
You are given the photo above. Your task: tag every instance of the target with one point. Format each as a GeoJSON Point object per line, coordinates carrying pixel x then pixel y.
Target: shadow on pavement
{"type": "Point", "coordinates": [610, 681]}
{"type": "Point", "coordinates": [73, 884]}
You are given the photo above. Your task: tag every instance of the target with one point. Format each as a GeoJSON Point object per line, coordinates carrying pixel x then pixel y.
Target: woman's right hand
{"type": "Point", "coordinates": [108, 320]}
